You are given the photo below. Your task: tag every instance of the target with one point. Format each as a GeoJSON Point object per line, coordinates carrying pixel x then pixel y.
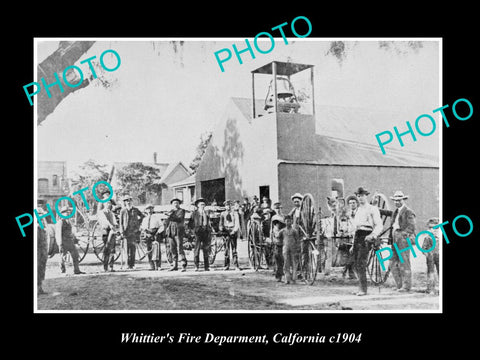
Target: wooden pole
{"type": "Point", "coordinates": [253, 94]}
{"type": "Point", "coordinates": [274, 72]}
{"type": "Point", "coordinates": [313, 94]}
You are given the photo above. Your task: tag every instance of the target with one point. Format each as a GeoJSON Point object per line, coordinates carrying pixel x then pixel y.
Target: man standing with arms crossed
{"type": "Point", "coordinates": [130, 220]}
{"type": "Point", "coordinates": [200, 221]}
{"type": "Point", "coordinates": [368, 225]}
{"type": "Point", "coordinates": [230, 223]}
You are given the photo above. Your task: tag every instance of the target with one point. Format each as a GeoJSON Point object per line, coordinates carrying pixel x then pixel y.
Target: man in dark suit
{"type": "Point", "coordinates": [175, 233]}
{"type": "Point", "coordinates": [130, 220]}
{"type": "Point", "coordinates": [200, 221]}
{"type": "Point", "coordinates": [403, 227]}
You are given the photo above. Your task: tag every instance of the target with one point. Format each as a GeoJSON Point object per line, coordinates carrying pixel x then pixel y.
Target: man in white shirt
{"type": "Point", "coordinates": [149, 228]}
{"type": "Point", "coordinates": [107, 220]}
{"type": "Point", "coordinates": [368, 225]}
{"type": "Point", "coordinates": [230, 223]}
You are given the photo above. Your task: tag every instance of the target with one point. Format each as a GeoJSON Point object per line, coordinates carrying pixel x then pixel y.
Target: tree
{"type": "Point", "coordinates": [201, 148]}
{"type": "Point", "coordinates": [137, 180]}
{"type": "Point", "coordinates": [89, 174]}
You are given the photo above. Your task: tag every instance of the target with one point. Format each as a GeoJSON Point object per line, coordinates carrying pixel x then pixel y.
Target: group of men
{"type": "Point", "coordinates": [359, 220]}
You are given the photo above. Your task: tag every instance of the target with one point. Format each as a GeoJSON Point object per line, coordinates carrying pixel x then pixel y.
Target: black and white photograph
{"type": "Point", "coordinates": [281, 180]}
{"type": "Point", "coordinates": [209, 175]}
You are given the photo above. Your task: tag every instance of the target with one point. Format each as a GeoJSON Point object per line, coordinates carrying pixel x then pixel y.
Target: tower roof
{"type": "Point", "coordinates": [283, 68]}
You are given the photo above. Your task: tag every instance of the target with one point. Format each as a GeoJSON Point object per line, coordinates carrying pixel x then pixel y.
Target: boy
{"type": "Point", "coordinates": [278, 224]}
{"type": "Point", "coordinates": [290, 238]}
{"type": "Point", "coordinates": [155, 254]}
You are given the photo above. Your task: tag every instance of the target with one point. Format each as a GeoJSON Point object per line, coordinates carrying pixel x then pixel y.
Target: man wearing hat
{"type": "Point", "coordinates": [403, 227]}
{"type": "Point", "coordinates": [200, 221]}
{"type": "Point", "coordinates": [42, 253]}
{"type": "Point", "coordinates": [149, 228]}
{"type": "Point", "coordinates": [295, 215]}
{"type": "Point", "coordinates": [277, 208]}
{"type": "Point", "coordinates": [295, 212]}
{"type": "Point", "coordinates": [368, 225]}
{"type": "Point", "coordinates": [351, 210]}
{"type": "Point", "coordinates": [230, 223]}
{"type": "Point", "coordinates": [66, 240]}
{"type": "Point", "coordinates": [130, 220]}
{"type": "Point", "coordinates": [109, 225]}
{"type": "Point", "coordinates": [175, 233]}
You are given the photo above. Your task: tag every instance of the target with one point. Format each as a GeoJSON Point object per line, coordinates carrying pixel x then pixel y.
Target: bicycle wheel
{"type": "Point", "coordinates": [141, 250]}
{"type": "Point", "coordinates": [311, 268]}
{"type": "Point", "coordinates": [96, 239]}
{"type": "Point", "coordinates": [374, 269]}
{"type": "Point", "coordinates": [252, 235]}
{"type": "Point", "coordinates": [213, 249]}
{"type": "Point", "coordinates": [82, 248]}
{"type": "Point", "coordinates": [82, 243]}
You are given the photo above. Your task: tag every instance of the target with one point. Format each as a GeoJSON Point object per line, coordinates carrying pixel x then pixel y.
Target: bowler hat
{"type": "Point", "coordinates": [199, 200]}
{"type": "Point", "coordinates": [297, 196]}
{"type": "Point", "coordinates": [149, 206]}
{"type": "Point", "coordinates": [278, 218]}
{"type": "Point", "coordinates": [175, 199]}
{"type": "Point", "coordinates": [362, 191]}
{"type": "Point", "coordinates": [398, 195]}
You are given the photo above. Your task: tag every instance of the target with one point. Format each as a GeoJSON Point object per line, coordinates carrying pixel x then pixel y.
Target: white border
{"type": "Point", "coordinates": [305, 312]}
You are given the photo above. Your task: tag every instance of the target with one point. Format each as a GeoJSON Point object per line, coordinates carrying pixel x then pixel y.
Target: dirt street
{"type": "Point", "coordinates": [141, 289]}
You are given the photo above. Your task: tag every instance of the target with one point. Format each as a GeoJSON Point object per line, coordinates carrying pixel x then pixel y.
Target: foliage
{"type": "Point", "coordinates": [88, 174]}
{"type": "Point", "coordinates": [137, 180]}
{"type": "Point", "coordinates": [201, 148]}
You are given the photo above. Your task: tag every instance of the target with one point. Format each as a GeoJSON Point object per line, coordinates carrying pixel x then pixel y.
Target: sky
{"type": "Point", "coordinates": [162, 100]}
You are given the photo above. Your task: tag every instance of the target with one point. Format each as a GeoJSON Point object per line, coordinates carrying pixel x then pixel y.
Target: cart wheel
{"type": "Point", "coordinates": [141, 249]}
{"type": "Point", "coordinates": [82, 248]}
{"type": "Point", "coordinates": [253, 234]}
{"type": "Point", "coordinates": [168, 253]}
{"type": "Point", "coordinates": [212, 254]}
{"type": "Point", "coordinates": [96, 239]}
{"type": "Point", "coordinates": [374, 269]}
{"type": "Point", "coordinates": [83, 244]}
{"type": "Point", "coordinates": [311, 268]}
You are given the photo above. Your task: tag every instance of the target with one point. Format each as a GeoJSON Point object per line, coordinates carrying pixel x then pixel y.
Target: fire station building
{"type": "Point", "coordinates": [268, 148]}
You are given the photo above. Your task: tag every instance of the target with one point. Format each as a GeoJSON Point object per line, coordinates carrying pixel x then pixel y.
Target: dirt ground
{"type": "Point", "coordinates": [141, 289]}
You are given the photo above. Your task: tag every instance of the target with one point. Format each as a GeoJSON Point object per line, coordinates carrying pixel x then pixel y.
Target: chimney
{"type": "Point", "coordinates": [155, 157]}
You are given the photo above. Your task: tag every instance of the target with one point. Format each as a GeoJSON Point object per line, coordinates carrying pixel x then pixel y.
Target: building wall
{"type": "Point", "coordinates": [242, 152]}
{"type": "Point", "coordinates": [296, 139]}
{"type": "Point", "coordinates": [177, 174]}
{"type": "Point", "coordinates": [421, 184]}
{"type": "Point", "coordinates": [47, 170]}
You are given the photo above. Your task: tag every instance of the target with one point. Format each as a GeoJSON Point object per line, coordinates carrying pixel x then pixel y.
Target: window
{"type": "Point", "coordinates": [179, 194]}
{"type": "Point", "coordinates": [54, 180]}
{"type": "Point", "coordinates": [42, 186]}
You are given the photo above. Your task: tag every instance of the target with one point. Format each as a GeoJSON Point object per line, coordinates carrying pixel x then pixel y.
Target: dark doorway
{"type": "Point", "coordinates": [264, 191]}
{"type": "Point", "coordinates": [213, 190]}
